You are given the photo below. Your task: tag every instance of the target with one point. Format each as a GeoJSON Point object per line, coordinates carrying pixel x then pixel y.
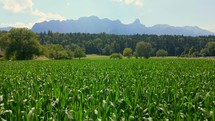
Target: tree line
{"type": "Point", "coordinates": [22, 44]}
{"type": "Point", "coordinates": [106, 44]}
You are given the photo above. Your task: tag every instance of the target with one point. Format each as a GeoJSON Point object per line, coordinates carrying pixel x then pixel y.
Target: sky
{"type": "Point", "coordinates": [25, 13]}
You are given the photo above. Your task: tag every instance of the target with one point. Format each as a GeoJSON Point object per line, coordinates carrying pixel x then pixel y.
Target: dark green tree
{"type": "Point", "coordinates": [71, 47]}
{"type": "Point", "coordinates": [79, 53]}
{"type": "Point", "coordinates": [204, 52]}
{"type": "Point", "coordinates": [191, 52]}
{"type": "Point", "coordinates": [20, 44]}
{"type": "Point", "coordinates": [1, 53]}
{"type": "Point", "coordinates": [106, 43]}
{"type": "Point", "coordinates": [211, 48]}
{"type": "Point", "coordinates": [143, 49]}
{"type": "Point", "coordinates": [186, 52]}
{"type": "Point", "coordinates": [97, 43]}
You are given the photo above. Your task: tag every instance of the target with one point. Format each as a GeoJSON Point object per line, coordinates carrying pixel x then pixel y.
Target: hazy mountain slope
{"type": "Point", "coordinates": [95, 25]}
{"type": "Point", "coordinates": [6, 28]}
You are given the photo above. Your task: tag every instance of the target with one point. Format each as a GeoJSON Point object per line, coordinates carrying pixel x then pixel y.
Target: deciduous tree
{"type": "Point", "coordinates": [211, 48]}
{"type": "Point", "coordinates": [143, 49]}
{"type": "Point", "coordinates": [79, 53]}
{"type": "Point", "coordinates": [56, 51]}
{"type": "Point", "coordinates": [127, 52]}
{"type": "Point", "coordinates": [161, 53]}
{"type": "Point", "coordinates": [20, 44]}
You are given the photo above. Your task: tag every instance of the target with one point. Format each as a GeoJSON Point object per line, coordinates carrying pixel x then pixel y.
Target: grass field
{"type": "Point", "coordinates": [96, 57]}
{"type": "Point", "coordinates": [136, 89]}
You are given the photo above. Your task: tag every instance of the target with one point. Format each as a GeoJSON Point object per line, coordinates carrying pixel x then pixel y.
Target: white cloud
{"type": "Point", "coordinates": [128, 2]}
{"type": "Point", "coordinates": [17, 6]}
{"type": "Point", "coordinates": [208, 27]}
{"type": "Point", "coordinates": [138, 3]}
{"type": "Point", "coordinates": [17, 25]}
{"type": "Point", "coordinates": [46, 16]}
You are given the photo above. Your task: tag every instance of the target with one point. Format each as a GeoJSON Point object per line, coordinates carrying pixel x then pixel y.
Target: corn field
{"type": "Point", "coordinates": [129, 90]}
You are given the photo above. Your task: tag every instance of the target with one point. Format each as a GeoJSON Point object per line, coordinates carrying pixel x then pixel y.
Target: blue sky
{"type": "Point", "coordinates": [24, 13]}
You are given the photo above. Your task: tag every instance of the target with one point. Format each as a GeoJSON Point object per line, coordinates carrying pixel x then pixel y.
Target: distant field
{"type": "Point", "coordinates": [105, 89]}
{"type": "Point", "coordinates": [101, 57]}
{"type": "Point", "coordinates": [94, 56]}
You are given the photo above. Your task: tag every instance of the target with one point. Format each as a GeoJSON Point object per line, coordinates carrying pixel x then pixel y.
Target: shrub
{"type": "Point", "coordinates": [161, 53]}
{"type": "Point", "coordinates": [116, 56]}
{"type": "Point", "coordinates": [127, 52]}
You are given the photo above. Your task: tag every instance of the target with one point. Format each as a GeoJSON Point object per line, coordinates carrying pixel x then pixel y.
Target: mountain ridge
{"type": "Point", "coordinates": [95, 25]}
{"type": "Point", "coordinates": [6, 28]}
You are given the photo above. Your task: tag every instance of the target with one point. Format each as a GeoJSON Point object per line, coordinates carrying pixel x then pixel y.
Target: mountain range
{"type": "Point", "coordinates": [6, 28]}
{"type": "Point", "coordinates": [93, 24]}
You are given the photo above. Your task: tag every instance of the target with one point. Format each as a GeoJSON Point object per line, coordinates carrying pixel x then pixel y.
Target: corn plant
{"type": "Point", "coordinates": [130, 89]}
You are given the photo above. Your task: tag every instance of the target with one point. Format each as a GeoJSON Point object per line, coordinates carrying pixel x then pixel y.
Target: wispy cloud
{"type": "Point", "coordinates": [17, 6]}
{"type": "Point", "coordinates": [128, 2]}
{"type": "Point", "coordinates": [27, 6]}
{"type": "Point", "coordinates": [46, 16]}
{"type": "Point", "coordinates": [208, 27]}
{"type": "Point", "coordinates": [17, 24]}
{"type": "Point", "coordinates": [138, 3]}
